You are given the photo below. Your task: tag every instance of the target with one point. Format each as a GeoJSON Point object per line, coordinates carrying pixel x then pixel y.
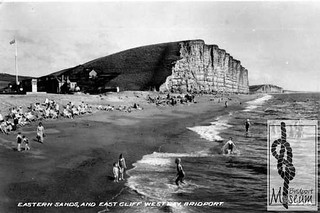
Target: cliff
{"type": "Point", "coordinates": [206, 68]}
{"type": "Point", "coordinates": [186, 66]}
{"type": "Point", "coordinates": [265, 88]}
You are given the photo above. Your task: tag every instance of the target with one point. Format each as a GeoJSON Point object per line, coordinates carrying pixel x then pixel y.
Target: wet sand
{"type": "Point", "coordinates": [74, 164]}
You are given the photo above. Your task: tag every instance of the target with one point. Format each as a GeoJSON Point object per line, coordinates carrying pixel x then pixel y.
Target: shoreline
{"type": "Point", "coordinates": [215, 148]}
{"type": "Point", "coordinates": [134, 134]}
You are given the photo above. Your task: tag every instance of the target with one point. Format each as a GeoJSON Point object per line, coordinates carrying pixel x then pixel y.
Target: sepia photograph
{"type": "Point", "coordinates": [159, 106]}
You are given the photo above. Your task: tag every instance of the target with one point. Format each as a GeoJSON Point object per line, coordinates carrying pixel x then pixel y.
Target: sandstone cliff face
{"type": "Point", "coordinates": [206, 68]}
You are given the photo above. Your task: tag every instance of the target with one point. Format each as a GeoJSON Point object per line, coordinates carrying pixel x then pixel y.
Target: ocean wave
{"type": "Point", "coordinates": [256, 103]}
{"type": "Point", "coordinates": [154, 176]}
{"type": "Point", "coordinates": [211, 132]}
{"type": "Point", "coordinates": [162, 161]}
{"type": "Point", "coordinates": [211, 177]}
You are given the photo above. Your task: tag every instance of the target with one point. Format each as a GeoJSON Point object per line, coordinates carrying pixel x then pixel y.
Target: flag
{"type": "Point", "coordinates": [13, 41]}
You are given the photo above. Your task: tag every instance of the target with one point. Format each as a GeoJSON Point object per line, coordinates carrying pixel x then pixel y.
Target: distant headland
{"type": "Point", "coordinates": [266, 88]}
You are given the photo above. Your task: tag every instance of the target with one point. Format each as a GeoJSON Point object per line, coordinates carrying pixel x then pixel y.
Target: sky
{"type": "Point", "coordinates": [278, 42]}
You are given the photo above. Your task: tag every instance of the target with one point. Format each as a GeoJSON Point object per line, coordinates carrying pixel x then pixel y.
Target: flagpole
{"type": "Point", "coordinates": [16, 61]}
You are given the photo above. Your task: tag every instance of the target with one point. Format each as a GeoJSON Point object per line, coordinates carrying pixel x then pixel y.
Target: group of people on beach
{"type": "Point", "coordinates": [49, 109]}
{"type": "Point", "coordinates": [12, 120]}
{"type": "Point", "coordinates": [52, 110]}
{"type": "Point", "coordinates": [122, 108]}
{"type": "Point", "coordinates": [23, 139]}
{"type": "Point", "coordinates": [71, 110]}
{"type": "Point", "coordinates": [119, 169]}
{"type": "Point", "coordinates": [171, 100]}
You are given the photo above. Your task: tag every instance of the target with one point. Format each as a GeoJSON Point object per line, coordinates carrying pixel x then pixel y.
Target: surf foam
{"type": "Point", "coordinates": [211, 132]}
{"type": "Point", "coordinates": [154, 176]}
{"type": "Point", "coordinates": [256, 103]}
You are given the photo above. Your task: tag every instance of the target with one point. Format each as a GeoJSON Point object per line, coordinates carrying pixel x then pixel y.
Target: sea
{"type": "Point", "coordinates": [239, 181]}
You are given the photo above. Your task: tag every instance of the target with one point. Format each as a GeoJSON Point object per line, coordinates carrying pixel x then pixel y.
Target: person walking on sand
{"type": "Point", "coordinates": [226, 104]}
{"type": "Point", "coordinates": [122, 166]}
{"type": "Point", "coordinates": [116, 171]}
{"type": "Point", "coordinates": [180, 174]}
{"type": "Point", "coordinates": [40, 132]}
{"type": "Point", "coordinates": [19, 141]}
{"type": "Point", "coordinates": [26, 143]}
{"type": "Point", "coordinates": [247, 124]}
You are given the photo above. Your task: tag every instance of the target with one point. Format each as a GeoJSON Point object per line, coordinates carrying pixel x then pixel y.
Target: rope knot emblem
{"type": "Point", "coordinates": [285, 166]}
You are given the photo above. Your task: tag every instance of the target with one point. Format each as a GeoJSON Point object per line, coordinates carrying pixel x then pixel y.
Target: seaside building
{"type": "Point", "coordinates": [76, 79]}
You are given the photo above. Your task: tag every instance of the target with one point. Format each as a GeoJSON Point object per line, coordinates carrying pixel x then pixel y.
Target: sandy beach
{"type": "Point", "coordinates": [74, 164]}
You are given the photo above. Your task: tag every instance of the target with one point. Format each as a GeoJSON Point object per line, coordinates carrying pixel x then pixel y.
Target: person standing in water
{"type": "Point", "coordinates": [180, 174]}
{"type": "Point", "coordinates": [230, 146]}
{"type": "Point", "coordinates": [247, 124]}
{"type": "Point", "coordinates": [122, 166]}
{"type": "Point", "coordinates": [40, 132]}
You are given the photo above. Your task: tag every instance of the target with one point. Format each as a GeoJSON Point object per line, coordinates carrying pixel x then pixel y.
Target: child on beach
{"type": "Point", "coordinates": [19, 140]}
{"type": "Point", "coordinates": [40, 132]}
{"type": "Point", "coordinates": [26, 143]}
{"type": "Point", "coordinates": [180, 174]}
{"type": "Point", "coordinates": [122, 166]}
{"type": "Point", "coordinates": [116, 170]}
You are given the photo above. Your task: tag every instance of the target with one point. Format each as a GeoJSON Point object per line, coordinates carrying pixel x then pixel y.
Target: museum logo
{"type": "Point", "coordinates": [292, 165]}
